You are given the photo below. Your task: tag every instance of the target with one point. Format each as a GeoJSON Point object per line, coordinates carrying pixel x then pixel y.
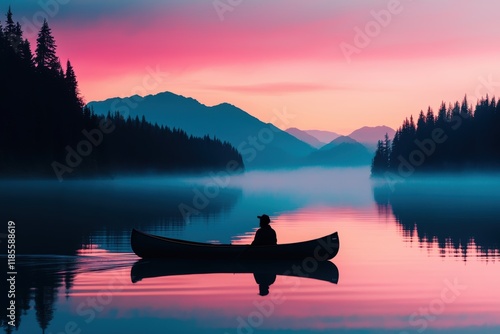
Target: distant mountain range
{"type": "Point", "coordinates": [260, 144]}
{"type": "Point", "coordinates": [338, 141]}
{"type": "Point", "coordinates": [371, 135]}
{"type": "Point", "coordinates": [323, 136]}
{"type": "Point", "coordinates": [368, 136]}
{"type": "Point", "coordinates": [343, 154]}
{"type": "Point", "coordinates": [305, 137]}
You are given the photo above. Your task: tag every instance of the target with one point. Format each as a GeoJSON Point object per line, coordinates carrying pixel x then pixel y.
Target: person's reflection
{"type": "Point", "coordinates": [264, 280]}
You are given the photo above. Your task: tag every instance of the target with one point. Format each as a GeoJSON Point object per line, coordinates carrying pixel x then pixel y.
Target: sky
{"type": "Point", "coordinates": [331, 65]}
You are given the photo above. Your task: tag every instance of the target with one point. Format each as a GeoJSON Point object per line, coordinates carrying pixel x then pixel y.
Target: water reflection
{"type": "Point", "coordinates": [385, 278]}
{"type": "Point", "coordinates": [456, 214]}
{"type": "Point", "coordinates": [264, 271]}
{"type": "Point", "coordinates": [46, 210]}
{"type": "Point", "coordinates": [42, 281]}
{"type": "Point", "coordinates": [38, 280]}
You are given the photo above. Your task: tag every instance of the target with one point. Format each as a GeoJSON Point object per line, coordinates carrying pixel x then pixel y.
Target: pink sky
{"type": "Point", "coordinates": [270, 55]}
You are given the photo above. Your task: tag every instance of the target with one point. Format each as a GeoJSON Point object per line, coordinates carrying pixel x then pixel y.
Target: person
{"type": "Point", "coordinates": [265, 234]}
{"type": "Point", "coordinates": [264, 280]}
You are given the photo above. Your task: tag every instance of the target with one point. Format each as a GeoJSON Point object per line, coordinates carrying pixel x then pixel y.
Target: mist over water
{"type": "Point", "coordinates": [401, 244]}
{"type": "Point", "coordinates": [218, 207]}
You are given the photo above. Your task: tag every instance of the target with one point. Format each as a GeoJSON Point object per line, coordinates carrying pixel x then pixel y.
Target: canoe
{"type": "Point", "coordinates": [147, 245]}
{"type": "Point", "coordinates": [151, 268]}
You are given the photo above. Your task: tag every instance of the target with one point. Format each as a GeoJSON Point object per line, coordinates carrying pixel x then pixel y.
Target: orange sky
{"type": "Point", "coordinates": [334, 65]}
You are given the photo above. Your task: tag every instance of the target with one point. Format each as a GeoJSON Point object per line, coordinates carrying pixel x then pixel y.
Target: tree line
{"type": "Point", "coordinates": [458, 138]}
{"type": "Point", "coordinates": [43, 120]}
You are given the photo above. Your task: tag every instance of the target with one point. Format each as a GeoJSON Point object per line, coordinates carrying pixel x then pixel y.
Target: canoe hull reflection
{"type": "Point", "coordinates": [152, 246]}
{"type": "Point", "coordinates": [150, 268]}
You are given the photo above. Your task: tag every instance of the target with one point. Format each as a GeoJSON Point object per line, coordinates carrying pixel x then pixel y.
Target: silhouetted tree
{"type": "Point", "coordinates": [72, 83]}
{"type": "Point", "coordinates": [471, 139]}
{"type": "Point", "coordinates": [381, 161]}
{"type": "Point", "coordinates": [46, 49]}
{"type": "Point", "coordinates": [42, 114]}
{"type": "Point", "coordinates": [441, 117]}
{"type": "Point", "coordinates": [10, 30]}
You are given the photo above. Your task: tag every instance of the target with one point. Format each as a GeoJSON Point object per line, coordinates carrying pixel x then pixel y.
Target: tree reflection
{"type": "Point", "coordinates": [456, 215]}
{"type": "Point", "coordinates": [38, 280]}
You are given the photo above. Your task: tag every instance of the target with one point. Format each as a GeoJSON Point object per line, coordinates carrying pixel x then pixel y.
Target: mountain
{"type": "Point", "coordinates": [371, 135]}
{"type": "Point", "coordinates": [338, 141]}
{"type": "Point", "coordinates": [261, 144]}
{"type": "Point", "coordinates": [343, 154]}
{"type": "Point", "coordinates": [323, 136]}
{"type": "Point", "coordinates": [45, 130]}
{"type": "Point", "coordinates": [305, 137]}
{"type": "Point", "coordinates": [342, 151]}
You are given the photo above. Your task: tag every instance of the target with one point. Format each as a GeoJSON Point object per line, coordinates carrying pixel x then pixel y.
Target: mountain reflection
{"type": "Point", "coordinates": [457, 214]}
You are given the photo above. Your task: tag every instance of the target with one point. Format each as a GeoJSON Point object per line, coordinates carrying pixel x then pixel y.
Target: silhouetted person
{"type": "Point", "coordinates": [265, 234]}
{"type": "Point", "coordinates": [264, 280]}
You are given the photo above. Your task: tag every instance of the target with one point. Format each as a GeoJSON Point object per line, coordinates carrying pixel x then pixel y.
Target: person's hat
{"type": "Point", "coordinates": [265, 218]}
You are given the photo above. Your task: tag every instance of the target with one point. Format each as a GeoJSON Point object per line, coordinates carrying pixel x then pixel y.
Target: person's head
{"type": "Point", "coordinates": [264, 220]}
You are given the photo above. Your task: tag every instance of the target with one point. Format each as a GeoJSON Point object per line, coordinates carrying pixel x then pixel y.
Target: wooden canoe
{"type": "Point", "coordinates": [151, 268]}
{"type": "Point", "coordinates": [147, 245]}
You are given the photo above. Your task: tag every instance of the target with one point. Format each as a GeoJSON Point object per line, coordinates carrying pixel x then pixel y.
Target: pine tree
{"type": "Point", "coordinates": [13, 32]}
{"type": "Point", "coordinates": [430, 120]}
{"type": "Point", "coordinates": [58, 68]}
{"type": "Point", "coordinates": [18, 37]}
{"type": "Point", "coordinates": [378, 159]}
{"type": "Point", "coordinates": [442, 117]}
{"type": "Point", "coordinates": [3, 43]}
{"type": "Point", "coordinates": [72, 83]}
{"type": "Point", "coordinates": [421, 125]}
{"type": "Point", "coordinates": [387, 150]}
{"type": "Point", "coordinates": [464, 108]}
{"type": "Point", "coordinates": [25, 52]}
{"type": "Point", "coordinates": [10, 28]}
{"type": "Point", "coordinates": [381, 160]}
{"type": "Point", "coordinates": [46, 49]}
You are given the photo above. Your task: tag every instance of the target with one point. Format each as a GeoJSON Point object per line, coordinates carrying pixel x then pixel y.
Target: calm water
{"type": "Point", "coordinates": [420, 257]}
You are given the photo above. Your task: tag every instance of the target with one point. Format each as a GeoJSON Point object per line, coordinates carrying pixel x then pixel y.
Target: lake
{"type": "Point", "coordinates": [415, 257]}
